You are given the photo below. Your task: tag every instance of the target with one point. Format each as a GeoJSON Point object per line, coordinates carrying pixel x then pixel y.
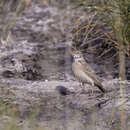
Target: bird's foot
{"type": "Point", "coordinates": [91, 92]}
{"type": "Point", "coordinates": [78, 92]}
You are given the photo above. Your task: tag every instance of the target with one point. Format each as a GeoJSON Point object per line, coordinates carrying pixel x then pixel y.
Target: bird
{"type": "Point", "coordinates": [84, 73]}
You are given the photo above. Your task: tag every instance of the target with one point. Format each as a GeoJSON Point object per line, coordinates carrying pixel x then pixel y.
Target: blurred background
{"type": "Point", "coordinates": [36, 37]}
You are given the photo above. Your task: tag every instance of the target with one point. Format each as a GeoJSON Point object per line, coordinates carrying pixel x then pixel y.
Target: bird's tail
{"type": "Point", "coordinates": [100, 86]}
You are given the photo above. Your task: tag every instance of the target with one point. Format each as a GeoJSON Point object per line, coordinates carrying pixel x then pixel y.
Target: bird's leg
{"type": "Point", "coordinates": [92, 88]}
{"type": "Point", "coordinates": [83, 86]}
{"type": "Point", "coordinates": [79, 91]}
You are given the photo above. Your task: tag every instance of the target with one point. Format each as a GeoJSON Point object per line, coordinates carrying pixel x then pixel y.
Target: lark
{"type": "Point", "coordinates": [84, 73]}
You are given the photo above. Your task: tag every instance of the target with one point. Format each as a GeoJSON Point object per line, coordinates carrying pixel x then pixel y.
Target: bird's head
{"type": "Point", "coordinates": [77, 56]}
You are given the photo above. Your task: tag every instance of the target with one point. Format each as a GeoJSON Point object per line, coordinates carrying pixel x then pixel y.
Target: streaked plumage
{"type": "Point", "coordinates": [84, 72]}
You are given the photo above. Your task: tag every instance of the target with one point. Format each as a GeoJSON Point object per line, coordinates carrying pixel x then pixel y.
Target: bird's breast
{"type": "Point", "coordinates": [79, 72]}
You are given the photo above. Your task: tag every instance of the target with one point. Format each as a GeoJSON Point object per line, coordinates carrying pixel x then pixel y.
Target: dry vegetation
{"type": "Point", "coordinates": [109, 26]}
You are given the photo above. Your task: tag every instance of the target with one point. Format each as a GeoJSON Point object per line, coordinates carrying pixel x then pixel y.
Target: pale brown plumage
{"type": "Point", "coordinates": [84, 72]}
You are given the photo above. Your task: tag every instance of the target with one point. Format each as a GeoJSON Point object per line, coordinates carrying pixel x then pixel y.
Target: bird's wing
{"type": "Point", "coordinates": [87, 67]}
{"type": "Point", "coordinates": [90, 72]}
{"type": "Point", "coordinates": [96, 79]}
{"type": "Point", "coordinates": [93, 76]}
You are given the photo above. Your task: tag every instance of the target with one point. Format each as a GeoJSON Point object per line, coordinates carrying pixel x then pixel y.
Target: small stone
{"type": "Point", "coordinates": [63, 90]}
{"type": "Point", "coordinates": [46, 80]}
{"type": "Point", "coordinates": [8, 74]}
